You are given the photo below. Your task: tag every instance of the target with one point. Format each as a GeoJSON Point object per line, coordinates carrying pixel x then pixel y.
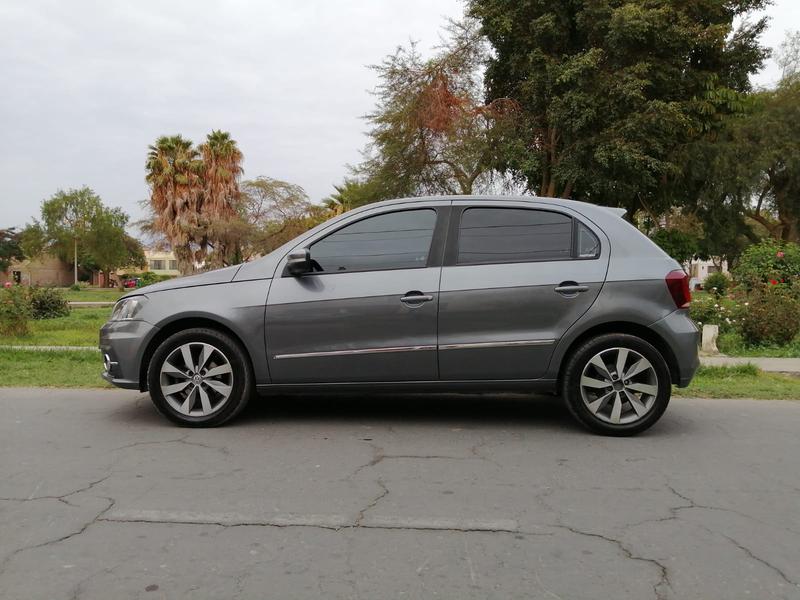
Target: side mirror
{"type": "Point", "coordinates": [299, 262]}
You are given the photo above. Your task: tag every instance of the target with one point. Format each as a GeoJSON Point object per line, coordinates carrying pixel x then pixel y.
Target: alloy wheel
{"type": "Point", "coordinates": [619, 386]}
{"type": "Point", "coordinates": [196, 379]}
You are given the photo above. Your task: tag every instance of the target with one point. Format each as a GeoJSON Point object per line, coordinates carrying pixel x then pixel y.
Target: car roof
{"type": "Point", "coordinates": [582, 207]}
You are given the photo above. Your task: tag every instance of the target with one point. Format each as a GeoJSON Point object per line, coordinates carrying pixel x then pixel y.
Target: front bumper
{"type": "Point", "coordinates": [683, 337]}
{"type": "Point", "coordinates": [122, 344]}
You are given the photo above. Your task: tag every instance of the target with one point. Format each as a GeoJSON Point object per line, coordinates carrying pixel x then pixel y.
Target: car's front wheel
{"type": "Point", "coordinates": [199, 378]}
{"type": "Point", "coordinates": [616, 384]}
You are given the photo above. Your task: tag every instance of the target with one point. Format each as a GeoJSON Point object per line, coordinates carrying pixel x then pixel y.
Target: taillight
{"type": "Point", "coordinates": [678, 286]}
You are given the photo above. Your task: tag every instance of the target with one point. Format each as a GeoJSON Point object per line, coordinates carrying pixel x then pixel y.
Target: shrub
{"type": "Point", "coordinates": [75, 287]}
{"type": "Point", "coordinates": [772, 316]}
{"type": "Point", "coordinates": [769, 261]}
{"type": "Point", "coordinates": [717, 283]}
{"type": "Point", "coordinates": [48, 303]}
{"type": "Point", "coordinates": [15, 310]}
{"type": "Point", "coordinates": [707, 309]}
{"type": "Point", "coordinates": [148, 277]}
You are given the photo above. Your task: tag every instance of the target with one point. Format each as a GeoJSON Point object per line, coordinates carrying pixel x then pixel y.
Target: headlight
{"type": "Point", "coordinates": [127, 308]}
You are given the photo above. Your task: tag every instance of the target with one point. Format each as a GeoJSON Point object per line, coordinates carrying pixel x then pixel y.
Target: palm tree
{"type": "Point", "coordinates": [174, 174]}
{"type": "Point", "coordinates": [194, 196]}
{"type": "Point", "coordinates": [222, 169]}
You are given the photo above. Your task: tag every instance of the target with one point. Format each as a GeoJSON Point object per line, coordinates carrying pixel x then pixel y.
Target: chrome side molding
{"type": "Point", "coordinates": [355, 351]}
{"type": "Point", "coordinates": [496, 344]}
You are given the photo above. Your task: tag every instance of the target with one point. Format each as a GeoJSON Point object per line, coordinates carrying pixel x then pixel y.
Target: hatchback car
{"type": "Point", "coordinates": [424, 294]}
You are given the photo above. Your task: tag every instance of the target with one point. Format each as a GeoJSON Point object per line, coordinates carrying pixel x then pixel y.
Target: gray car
{"type": "Point", "coordinates": [456, 293]}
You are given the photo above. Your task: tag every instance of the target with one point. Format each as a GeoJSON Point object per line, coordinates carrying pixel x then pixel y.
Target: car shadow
{"type": "Point", "coordinates": [386, 408]}
{"type": "Point", "coordinates": [513, 411]}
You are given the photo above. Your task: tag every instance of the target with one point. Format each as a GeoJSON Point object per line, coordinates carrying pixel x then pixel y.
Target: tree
{"type": "Point", "coordinates": [76, 225]}
{"type": "Point", "coordinates": [275, 212]}
{"type": "Point", "coordinates": [66, 221]}
{"type": "Point", "coordinates": [353, 193]}
{"type": "Point", "coordinates": [431, 131]}
{"type": "Point", "coordinates": [109, 246]}
{"type": "Point", "coordinates": [680, 245]}
{"type": "Point", "coordinates": [749, 178]}
{"type": "Point", "coordinates": [33, 239]}
{"type": "Point", "coordinates": [613, 92]}
{"type": "Point", "coordinates": [788, 58]}
{"type": "Point", "coordinates": [770, 140]}
{"type": "Point", "coordinates": [10, 248]}
{"type": "Point", "coordinates": [173, 173]}
{"type": "Point", "coordinates": [193, 196]}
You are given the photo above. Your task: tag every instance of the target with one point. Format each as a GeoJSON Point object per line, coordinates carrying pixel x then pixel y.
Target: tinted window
{"type": "Point", "coordinates": [399, 240]}
{"type": "Point", "coordinates": [488, 235]}
{"type": "Point", "coordinates": [588, 244]}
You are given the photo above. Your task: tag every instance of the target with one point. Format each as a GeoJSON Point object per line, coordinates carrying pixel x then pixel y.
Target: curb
{"type": "Point", "coordinates": [52, 348]}
{"type": "Point", "coordinates": [770, 365]}
{"type": "Point", "coordinates": [98, 304]}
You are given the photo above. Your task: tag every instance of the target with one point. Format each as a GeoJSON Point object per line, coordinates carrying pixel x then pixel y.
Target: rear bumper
{"type": "Point", "coordinates": [683, 337]}
{"type": "Point", "coordinates": [122, 344]}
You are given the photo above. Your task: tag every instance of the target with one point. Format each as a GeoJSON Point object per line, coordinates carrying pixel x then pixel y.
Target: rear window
{"type": "Point", "coordinates": [491, 235]}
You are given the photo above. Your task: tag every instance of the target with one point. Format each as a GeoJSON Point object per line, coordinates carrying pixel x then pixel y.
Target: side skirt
{"type": "Point", "coordinates": [410, 387]}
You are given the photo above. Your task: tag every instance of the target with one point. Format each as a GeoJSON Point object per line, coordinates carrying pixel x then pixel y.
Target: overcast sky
{"type": "Point", "coordinates": [87, 86]}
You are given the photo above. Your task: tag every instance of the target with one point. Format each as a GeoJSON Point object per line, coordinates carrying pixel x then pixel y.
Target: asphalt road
{"type": "Point", "coordinates": [450, 497]}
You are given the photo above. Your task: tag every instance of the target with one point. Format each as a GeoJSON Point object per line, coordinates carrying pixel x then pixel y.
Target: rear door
{"type": "Point", "coordinates": [515, 277]}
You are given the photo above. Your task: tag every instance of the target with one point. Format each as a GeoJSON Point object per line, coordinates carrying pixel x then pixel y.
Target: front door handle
{"type": "Point", "coordinates": [415, 298]}
{"type": "Point", "coordinates": [570, 288]}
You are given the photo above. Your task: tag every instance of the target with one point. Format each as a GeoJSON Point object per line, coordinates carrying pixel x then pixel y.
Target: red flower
{"type": "Point", "coordinates": [780, 254]}
{"type": "Point", "coordinates": [773, 282]}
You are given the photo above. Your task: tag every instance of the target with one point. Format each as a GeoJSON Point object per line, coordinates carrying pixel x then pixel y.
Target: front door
{"type": "Point", "coordinates": [369, 313]}
{"type": "Point", "coordinates": [515, 278]}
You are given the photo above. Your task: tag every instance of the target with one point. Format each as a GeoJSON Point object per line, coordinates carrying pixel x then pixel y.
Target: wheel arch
{"type": "Point", "coordinates": [179, 325]}
{"type": "Point", "coordinates": [625, 327]}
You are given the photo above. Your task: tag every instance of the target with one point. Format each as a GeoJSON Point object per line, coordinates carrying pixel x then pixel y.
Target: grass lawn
{"type": "Point", "coordinates": [732, 344]}
{"type": "Point", "coordinates": [93, 294]}
{"type": "Point", "coordinates": [743, 381]}
{"type": "Point", "coordinates": [20, 368]}
{"type": "Point", "coordinates": [67, 369]}
{"type": "Point", "coordinates": [80, 328]}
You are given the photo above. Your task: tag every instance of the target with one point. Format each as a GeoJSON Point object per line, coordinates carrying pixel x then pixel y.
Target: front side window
{"type": "Point", "coordinates": [398, 240]}
{"type": "Point", "coordinates": [497, 235]}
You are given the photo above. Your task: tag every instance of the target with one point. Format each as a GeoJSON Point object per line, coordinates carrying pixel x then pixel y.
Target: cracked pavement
{"type": "Point", "coordinates": [395, 497]}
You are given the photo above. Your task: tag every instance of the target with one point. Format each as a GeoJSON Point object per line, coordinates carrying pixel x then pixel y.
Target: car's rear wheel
{"type": "Point", "coordinates": [199, 378]}
{"type": "Point", "coordinates": [616, 384]}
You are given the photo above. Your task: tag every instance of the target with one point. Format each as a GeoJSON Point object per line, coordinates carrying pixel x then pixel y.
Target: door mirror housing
{"type": "Point", "coordinates": [299, 262]}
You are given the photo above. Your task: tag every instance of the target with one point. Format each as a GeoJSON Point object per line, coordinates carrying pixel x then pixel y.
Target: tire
{"type": "Point", "coordinates": [220, 390]}
{"type": "Point", "coordinates": [612, 404]}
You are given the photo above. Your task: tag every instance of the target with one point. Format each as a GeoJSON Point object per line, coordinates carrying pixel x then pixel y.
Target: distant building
{"type": "Point", "coordinates": [45, 270]}
{"type": "Point", "coordinates": [50, 270]}
{"type": "Point", "coordinates": [700, 269]}
{"type": "Point", "coordinates": [162, 262]}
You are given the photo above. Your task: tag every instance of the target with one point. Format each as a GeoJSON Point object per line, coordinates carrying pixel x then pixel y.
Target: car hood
{"type": "Point", "coordinates": [208, 278]}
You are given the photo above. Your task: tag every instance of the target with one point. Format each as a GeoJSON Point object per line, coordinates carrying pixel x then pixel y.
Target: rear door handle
{"type": "Point", "coordinates": [415, 298]}
{"type": "Point", "coordinates": [570, 288]}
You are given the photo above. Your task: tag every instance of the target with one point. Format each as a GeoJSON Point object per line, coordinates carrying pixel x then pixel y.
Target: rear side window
{"type": "Point", "coordinates": [491, 235]}
{"type": "Point", "coordinates": [399, 240]}
{"type": "Point", "coordinates": [588, 244]}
